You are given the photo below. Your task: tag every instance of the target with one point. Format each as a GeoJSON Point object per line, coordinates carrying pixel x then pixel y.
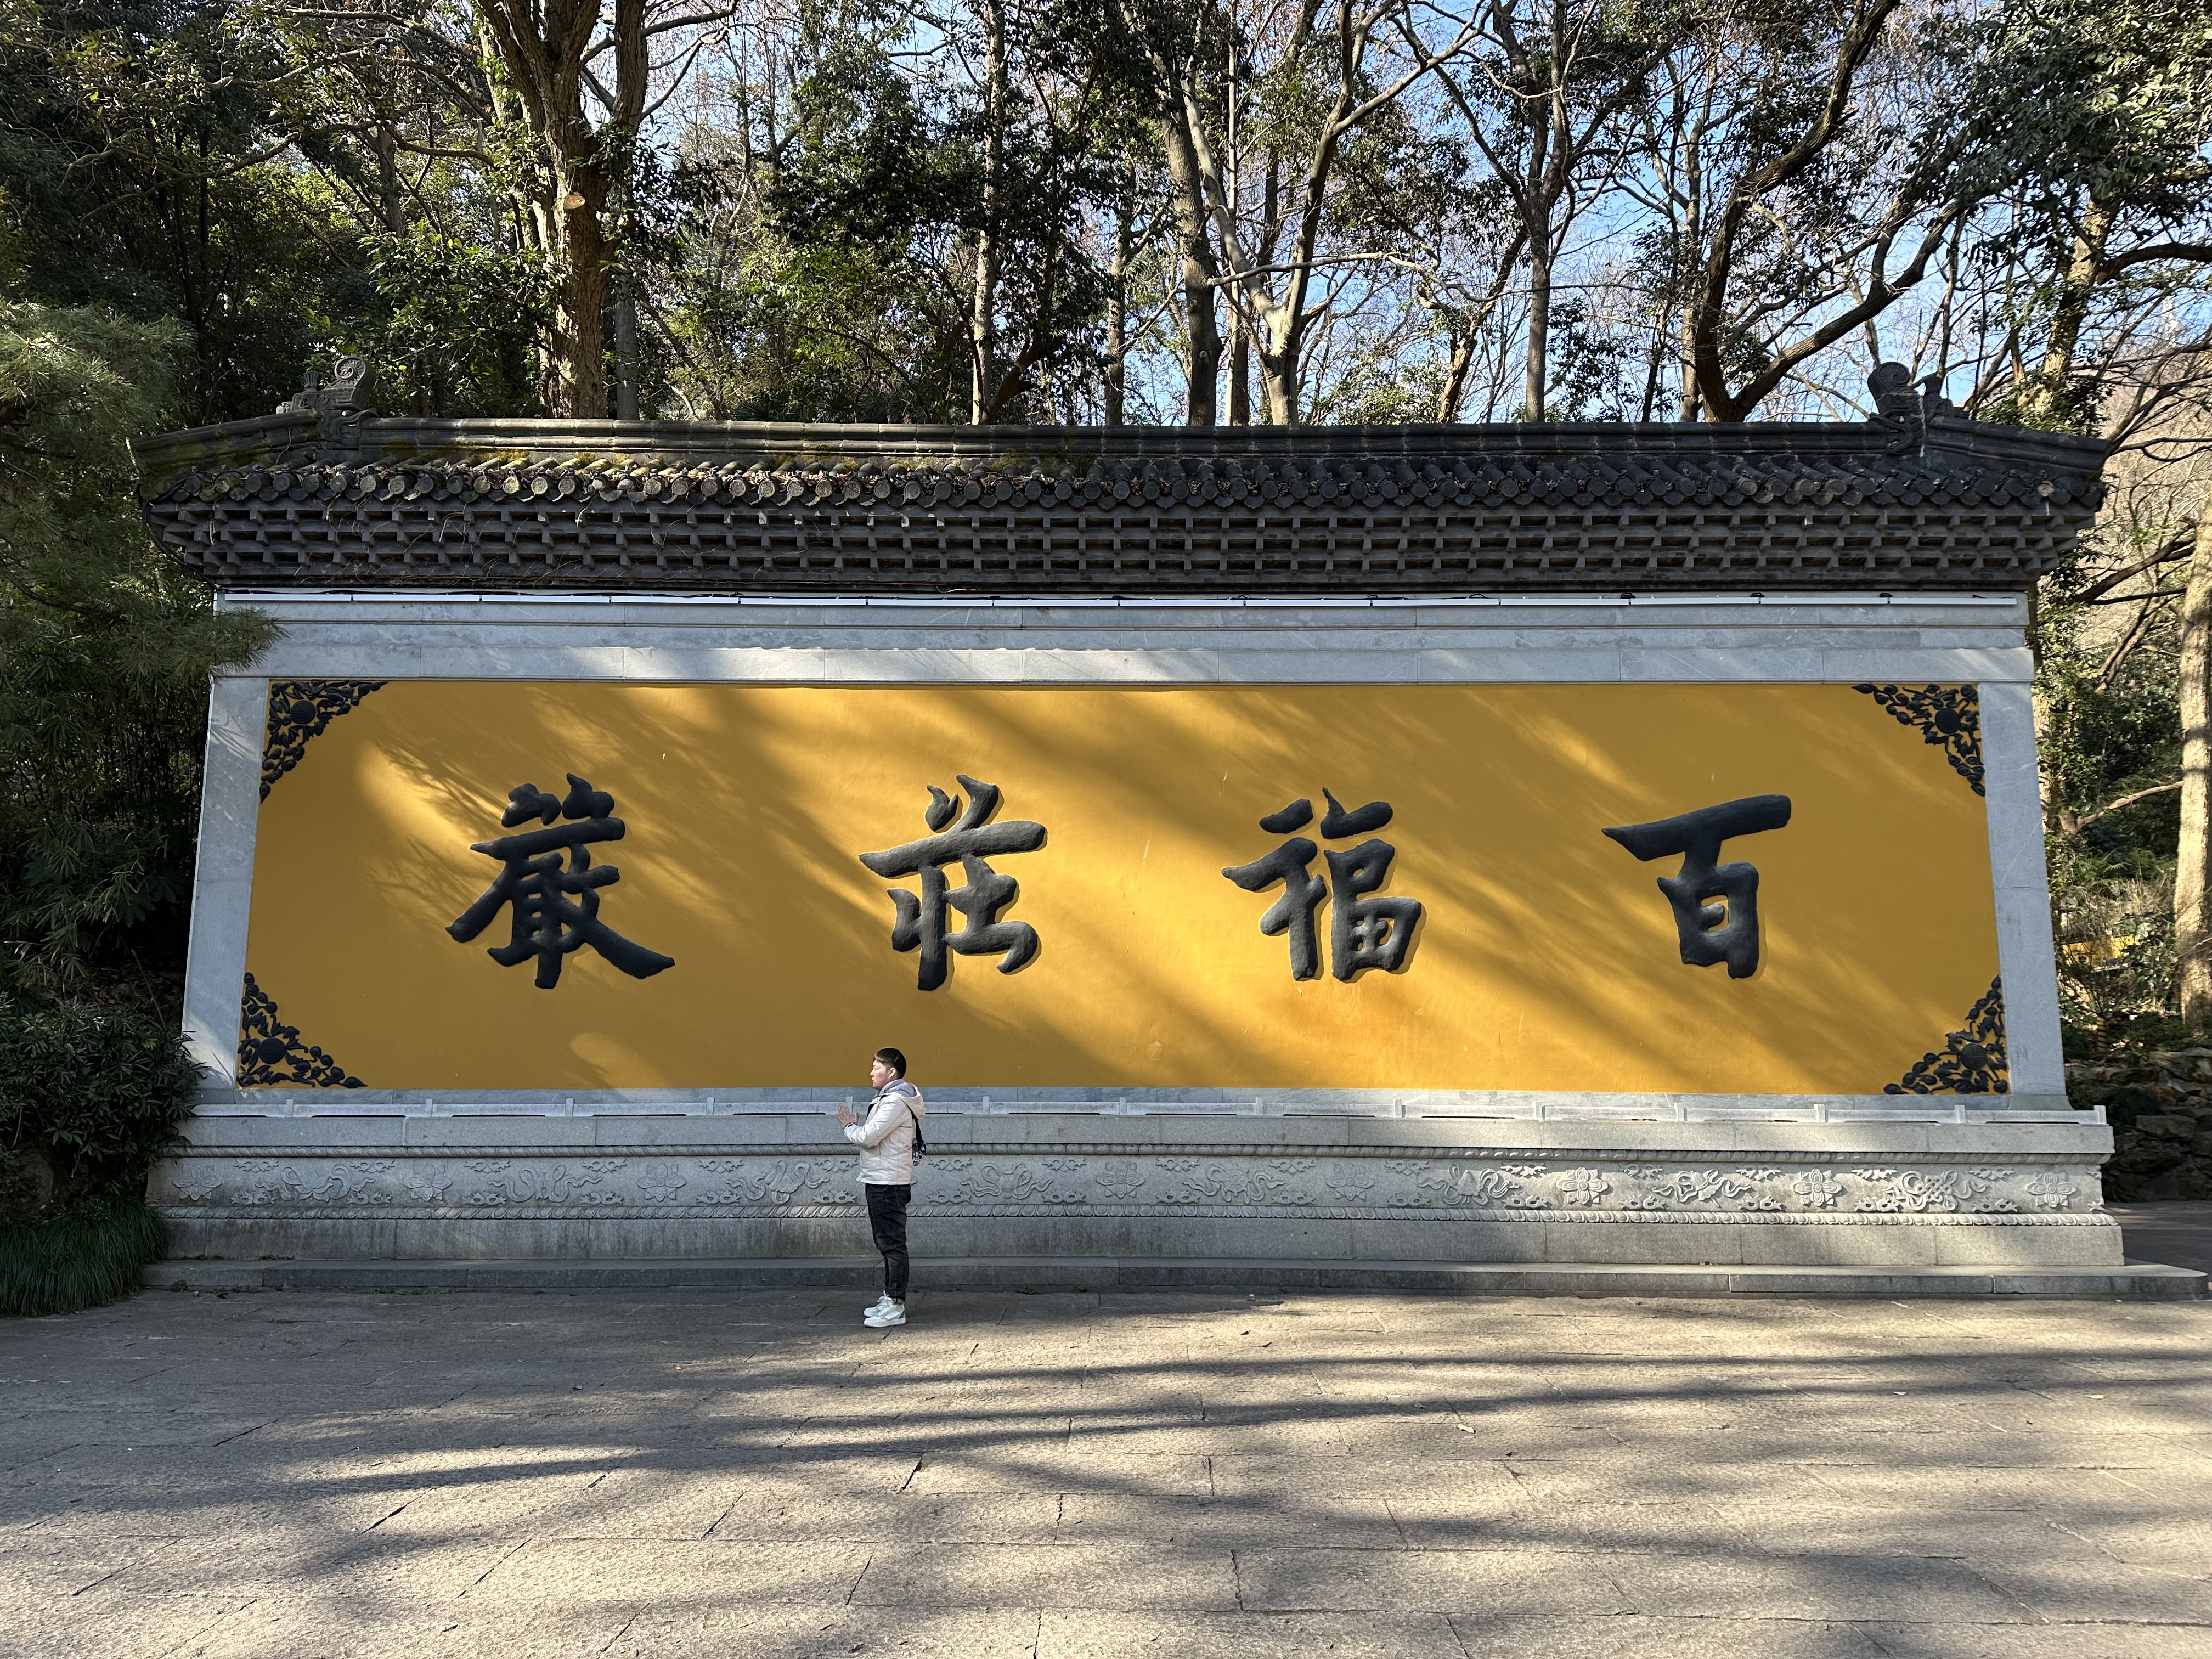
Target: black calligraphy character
{"type": "Point", "coordinates": [1727, 930]}
{"type": "Point", "coordinates": [1291, 865]}
{"type": "Point", "coordinates": [1364, 933]}
{"type": "Point", "coordinates": [919, 922]}
{"type": "Point", "coordinates": [556, 910]}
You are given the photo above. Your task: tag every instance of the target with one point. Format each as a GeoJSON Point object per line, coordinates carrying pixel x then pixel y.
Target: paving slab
{"type": "Point", "coordinates": [645, 1471]}
{"type": "Point", "coordinates": [1638, 1636]}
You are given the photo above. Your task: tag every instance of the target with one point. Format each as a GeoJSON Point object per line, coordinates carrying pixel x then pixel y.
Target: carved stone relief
{"type": "Point", "coordinates": [1409, 1188]}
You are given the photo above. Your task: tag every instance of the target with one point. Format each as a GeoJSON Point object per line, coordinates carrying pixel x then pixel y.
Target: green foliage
{"type": "Point", "coordinates": [92, 1094]}
{"type": "Point", "coordinates": [89, 1098]}
{"type": "Point", "coordinates": [2108, 732]}
{"type": "Point", "coordinates": [91, 1253]}
{"type": "Point", "coordinates": [126, 159]}
{"type": "Point", "coordinates": [451, 325]}
{"type": "Point", "coordinates": [771, 327]}
{"type": "Point", "coordinates": [2121, 92]}
{"type": "Point", "coordinates": [104, 650]}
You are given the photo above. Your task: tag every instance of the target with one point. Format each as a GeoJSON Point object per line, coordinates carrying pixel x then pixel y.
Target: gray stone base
{"type": "Point", "coordinates": [2138, 1280]}
{"type": "Point", "coordinates": [1088, 1185]}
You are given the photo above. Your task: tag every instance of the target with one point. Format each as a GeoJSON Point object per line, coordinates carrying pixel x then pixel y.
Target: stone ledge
{"type": "Point", "coordinates": [2136, 1280]}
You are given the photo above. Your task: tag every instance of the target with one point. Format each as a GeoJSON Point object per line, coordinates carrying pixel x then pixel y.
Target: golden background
{"type": "Point", "coordinates": [1547, 958]}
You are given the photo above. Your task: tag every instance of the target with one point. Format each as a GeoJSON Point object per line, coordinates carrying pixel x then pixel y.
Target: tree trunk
{"type": "Point", "coordinates": [982, 324]}
{"type": "Point", "coordinates": [1455, 387]}
{"type": "Point", "coordinates": [1282, 370]}
{"type": "Point", "coordinates": [1117, 304]}
{"type": "Point", "coordinates": [390, 207]}
{"type": "Point", "coordinates": [2192, 897]}
{"type": "Point", "coordinates": [625, 309]}
{"type": "Point", "coordinates": [1203, 333]}
{"type": "Point", "coordinates": [2075, 291]}
{"type": "Point", "coordinates": [1691, 403]}
{"type": "Point", "coordinates": [1240, 370]}
{"type": "Point", "coordinates": [1540, 320]}
{"type": "Point", "coordinates": [579, 364]}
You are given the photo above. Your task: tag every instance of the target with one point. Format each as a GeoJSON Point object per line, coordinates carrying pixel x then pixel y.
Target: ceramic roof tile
{"type": "Point", "coordinates": [506, 505]}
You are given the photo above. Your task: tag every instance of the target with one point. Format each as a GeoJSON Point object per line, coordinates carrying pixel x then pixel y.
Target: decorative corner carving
{"type": "Point", "coordinates": [299, 712]}
{"type": "Point", "coordinates": [1970, 1062]}
{"type": "Point", "coordinates": [271, 1055]}
{"type": "Point", "coordinates": [1948, 716]}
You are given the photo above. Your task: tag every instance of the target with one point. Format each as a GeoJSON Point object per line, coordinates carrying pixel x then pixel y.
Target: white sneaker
{"type": "Point", "coordinates": [876, 1307]}
{"type": "Point", "coordinates": [893, 1315]}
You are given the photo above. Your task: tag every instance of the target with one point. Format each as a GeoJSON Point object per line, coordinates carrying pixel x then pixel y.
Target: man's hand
{"type": "Point", "coordinates": [845, 1116]}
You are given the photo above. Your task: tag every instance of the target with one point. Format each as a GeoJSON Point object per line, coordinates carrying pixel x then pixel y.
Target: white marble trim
{"type": "Point", "coordinates": [1563, 638]}
{"type": "Point", "coordinates": [222, 875]}
{"type": "Point", "coordinates": [2026, 956]}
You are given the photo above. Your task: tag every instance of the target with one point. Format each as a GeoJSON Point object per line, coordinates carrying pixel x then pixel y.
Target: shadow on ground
{"type": "Point", "coordinates": [292, 1473]}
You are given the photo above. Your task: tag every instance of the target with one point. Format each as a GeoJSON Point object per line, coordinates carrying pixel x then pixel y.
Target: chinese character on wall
{"type": "Point", "coordinates": [556, 910]}
{"type": "Point", "coordinates": [1364, 932]}
{"type": "Point", "coordinates": [1716, 905]}
{"type": "Point", "coordinates": [919, 921]}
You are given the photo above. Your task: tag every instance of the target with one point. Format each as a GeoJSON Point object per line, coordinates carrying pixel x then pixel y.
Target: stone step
{"type": "Point", "coordinates": [2136, 1280]}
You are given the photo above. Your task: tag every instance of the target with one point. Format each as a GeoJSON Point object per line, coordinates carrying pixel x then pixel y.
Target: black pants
{"type": "Point", "coordinates": [887, 1217]}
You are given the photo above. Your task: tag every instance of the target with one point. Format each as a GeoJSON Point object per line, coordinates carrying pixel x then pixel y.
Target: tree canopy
{"type": "Point", "coordinates": [1213, 211]}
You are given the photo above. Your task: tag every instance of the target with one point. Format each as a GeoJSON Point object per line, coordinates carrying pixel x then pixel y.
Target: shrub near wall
{"type": "Point", "coordinates": [90, 1097]}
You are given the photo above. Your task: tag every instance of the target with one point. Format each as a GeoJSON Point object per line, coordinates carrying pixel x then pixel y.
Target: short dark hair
{"type": "Point", "coordinates": [894, 1059]}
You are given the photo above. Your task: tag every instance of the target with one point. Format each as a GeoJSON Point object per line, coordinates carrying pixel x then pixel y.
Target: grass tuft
{"type": "Point", "coordinates": [94, 1251]}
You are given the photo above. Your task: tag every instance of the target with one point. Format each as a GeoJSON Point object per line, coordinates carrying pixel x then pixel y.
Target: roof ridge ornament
{"type": "Point", "coordinates": [1905, 409]}
{"type": "Point", "coordinates": [337, 406]}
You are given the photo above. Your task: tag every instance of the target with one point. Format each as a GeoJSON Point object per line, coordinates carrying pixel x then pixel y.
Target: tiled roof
{"type": "Point", "coordinates": [521, 504]}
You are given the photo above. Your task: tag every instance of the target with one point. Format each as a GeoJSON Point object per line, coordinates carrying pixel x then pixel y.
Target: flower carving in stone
{"type": "Point", "coordinates": [1580, 1189]}
{"type": "Point", "coordinates": [1350, 1185]}
{"type": "Point", "coordinates": [1817, 1189]}
{"type": "Point", "coordinates": [1119, 1184]}
{"type": "Point", "coordinates": [2051, 1190]}
{"type": "Point", "coordinates": [196, 1184]}
{"type": "Point", "coordinates": [660, 1185]}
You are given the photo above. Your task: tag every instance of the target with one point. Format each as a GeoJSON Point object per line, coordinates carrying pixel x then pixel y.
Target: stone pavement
{"type": "Point", "coordinates": [297, 1474]}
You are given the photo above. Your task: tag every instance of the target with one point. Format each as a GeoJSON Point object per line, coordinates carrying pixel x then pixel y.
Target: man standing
{"type": "Point", "coordinates": [887, 1138]}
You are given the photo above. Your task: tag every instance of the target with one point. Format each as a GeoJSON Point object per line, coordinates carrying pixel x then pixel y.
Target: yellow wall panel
{"type": "Point", "coordinates": [1546, 959]}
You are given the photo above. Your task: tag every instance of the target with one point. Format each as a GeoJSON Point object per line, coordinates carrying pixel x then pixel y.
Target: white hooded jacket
{"type": "Point", "coordinates": [885, 1136]}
